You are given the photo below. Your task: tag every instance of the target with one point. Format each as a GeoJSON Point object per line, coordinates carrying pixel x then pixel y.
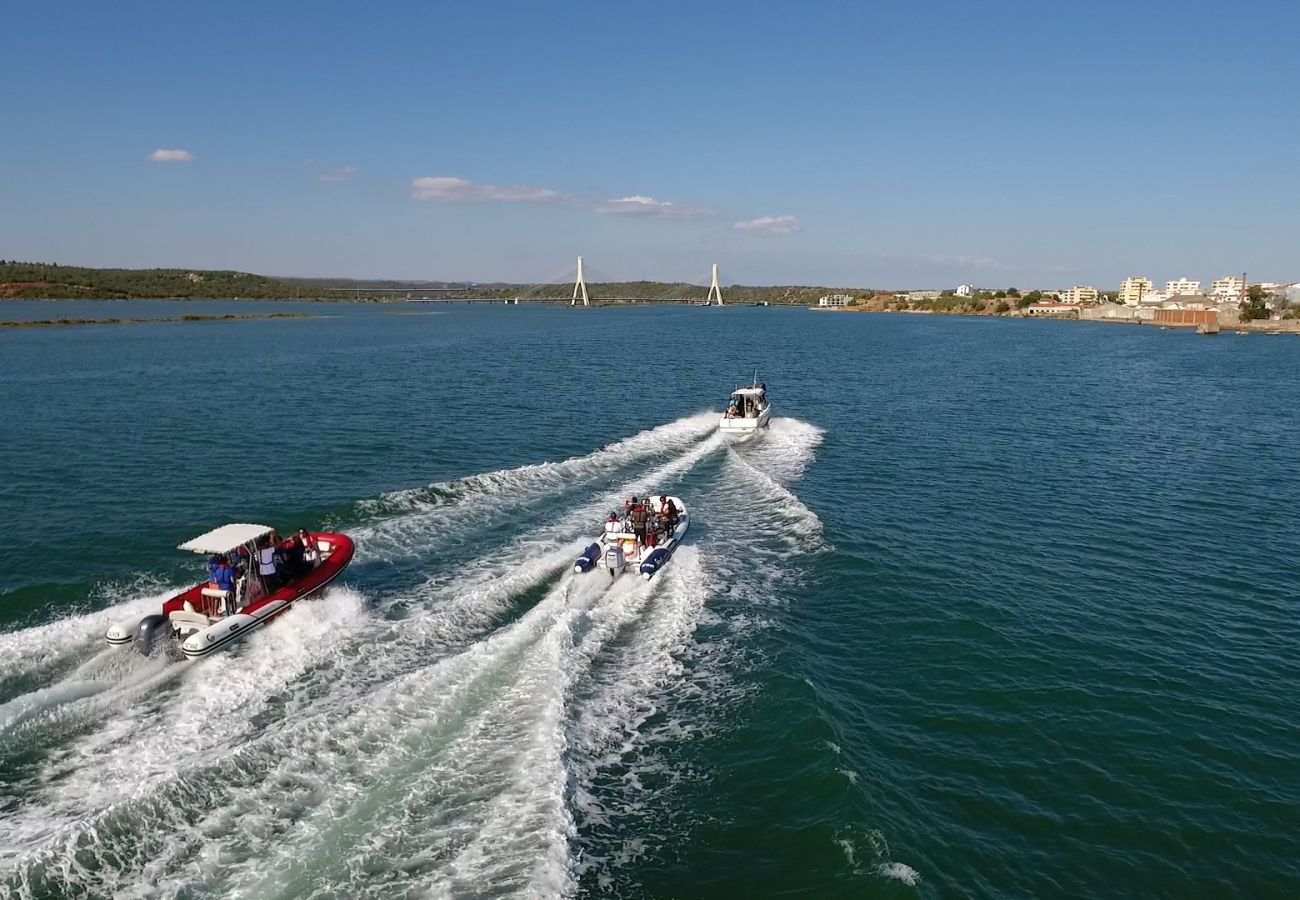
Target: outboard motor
{"type": "Point", "coordinates": [587, 561]}
{"type": "Point", "coordinates": [148, 631]}
{"type": "Point", "coordinates": [654, 561]}
{"type": "Point", "coordinates": [615, 560]}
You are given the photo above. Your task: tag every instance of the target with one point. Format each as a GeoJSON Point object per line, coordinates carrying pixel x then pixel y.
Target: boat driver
{"type": "Point", "coordinates": [222, 577]}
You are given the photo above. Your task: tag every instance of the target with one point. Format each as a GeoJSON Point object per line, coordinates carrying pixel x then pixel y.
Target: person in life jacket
{"type": "Point", "coordinates": [267, 566]}
{"type": "Point", "coordinates": [221, 575]}
{"type": "Point", "coordinates": [638, 519]}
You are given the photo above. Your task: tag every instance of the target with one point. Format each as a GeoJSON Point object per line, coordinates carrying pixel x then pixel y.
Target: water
{"type": "Point", "coordinates": [997, 609]}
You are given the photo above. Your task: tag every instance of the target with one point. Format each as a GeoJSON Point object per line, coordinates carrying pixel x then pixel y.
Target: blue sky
{"type": "Point", "coordinates": [867, 144]}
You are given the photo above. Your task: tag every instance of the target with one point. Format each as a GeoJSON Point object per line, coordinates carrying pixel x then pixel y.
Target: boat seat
{"type": "Point", "coordinates": [184, 618]}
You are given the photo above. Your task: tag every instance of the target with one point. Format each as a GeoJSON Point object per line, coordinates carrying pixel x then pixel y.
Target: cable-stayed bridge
{"type": "Point", "coordinates": [578, 286]}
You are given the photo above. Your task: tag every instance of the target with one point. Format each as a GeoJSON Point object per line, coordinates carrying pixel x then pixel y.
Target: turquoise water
{"type": "Point", "coordinates": [40, 310]}
{"type": "Point", "coordinates": [995, 609]}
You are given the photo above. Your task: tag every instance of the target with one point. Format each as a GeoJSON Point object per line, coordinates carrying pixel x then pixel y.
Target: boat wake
{"type": "Point", "coordinates": [483, 722]}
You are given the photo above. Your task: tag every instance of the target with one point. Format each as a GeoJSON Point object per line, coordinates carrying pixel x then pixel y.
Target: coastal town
{"type": "Point", "coordinates": [1228, 301]}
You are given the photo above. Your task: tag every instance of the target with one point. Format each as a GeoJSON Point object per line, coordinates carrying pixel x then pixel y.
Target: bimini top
{"type": "Point", "coordinates": [226, 538]}
{"type": "Point", "coordinates": [749, 392]}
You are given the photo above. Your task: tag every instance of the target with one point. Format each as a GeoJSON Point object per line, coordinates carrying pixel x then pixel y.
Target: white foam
{"type": "Point", "coordinates": [785, 450]}
{"type": "Point", "coordinates": [150, 736]}
{"type": "Point", "coordinates": [426, 513]}
{"type": "Point", "coordinates": [69, 637]}
{"type": "Point", "coordinates": [900, 872]}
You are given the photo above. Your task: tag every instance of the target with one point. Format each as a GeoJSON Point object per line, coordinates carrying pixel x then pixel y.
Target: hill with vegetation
{"type": "Point", "coordinates": [39, 281]}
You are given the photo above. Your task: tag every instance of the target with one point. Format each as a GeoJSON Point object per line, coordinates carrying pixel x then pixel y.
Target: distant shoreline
{"type": "Point", "coordinates": [230, 317]}
{"type": "Point", "coordinates": [1261, 326]}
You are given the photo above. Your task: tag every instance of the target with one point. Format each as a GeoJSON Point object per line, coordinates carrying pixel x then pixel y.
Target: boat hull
{"type": "Point", "coordinates": [744, 426]}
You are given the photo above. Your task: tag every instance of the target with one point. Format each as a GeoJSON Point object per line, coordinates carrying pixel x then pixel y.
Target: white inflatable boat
{"type": "Point", "coordinates": [641, 537]}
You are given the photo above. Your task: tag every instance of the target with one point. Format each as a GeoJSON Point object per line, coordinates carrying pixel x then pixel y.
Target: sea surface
{"type": "Point", "coordinates": [995, 608]}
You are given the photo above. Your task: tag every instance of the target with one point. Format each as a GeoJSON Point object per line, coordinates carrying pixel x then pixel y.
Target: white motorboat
{"type": "Point", "coordinates": [748, 409]}
{"type": "Point", "coordinates": [640, 537]}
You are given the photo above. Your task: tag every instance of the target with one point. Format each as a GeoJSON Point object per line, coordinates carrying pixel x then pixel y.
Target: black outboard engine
{"type": "Point", "coordinates": [654, 561]}
{"type": "Point", "coordinates": [148, 632]}
{"type": "Point", "coordinates": [587, 561]}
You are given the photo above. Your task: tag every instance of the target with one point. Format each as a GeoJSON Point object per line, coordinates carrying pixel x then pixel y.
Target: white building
{"type": "Point", "coordinates": [965, 290]}
{"type": "Point", "coordinates": [1154, 298]}
{"type": "Point", "coordinates": [1078, 294]}
{"type": "Point", "coordinates": [1182, 286]}
{"type": "Point", "coordinates": [1229, 287]}
{"type": "Point", "coordinates": [835, 300]}
{"type": "Point", "coordinates": [1052, 309]}
{"type": "Point", "coordinates": [1134, 288]}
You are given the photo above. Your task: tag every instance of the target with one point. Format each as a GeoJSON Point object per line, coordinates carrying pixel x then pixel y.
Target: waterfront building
{"type": "Point", "coordinates": [1228, 287]}
{"type": "Point", "coordinates": [835, 300]}
{"type": "Point", "coordinates": [965, 290]}
{"type": "Point", "coordinates": [1187, 301]}
{"type": "Point", "coordinates": [1078, 294]}
{"type": "Point", "coordinates": [1134, 288]}
{"type": "Point", "coordinates": [1182, 286]}
{"type": "Point", "coordinates": [1052, 309]}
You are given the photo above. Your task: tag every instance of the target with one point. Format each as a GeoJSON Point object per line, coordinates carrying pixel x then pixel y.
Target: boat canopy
{"type": "Point", "coordinates": [748, 392]}
{"type": "Point", "coordinates": [226, 538]}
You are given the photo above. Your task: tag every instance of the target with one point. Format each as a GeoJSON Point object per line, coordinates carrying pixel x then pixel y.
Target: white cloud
{"type": "Point", "coordinates": [171, 156]}
{"type": "Point", "coordinates": [342, 173]}
{"type": "Point", "coordinates": [786, 224]}
{"type": "Point", "coordinates": [649, 207]}
{"type": "Point", "coordinates": [442, 189]}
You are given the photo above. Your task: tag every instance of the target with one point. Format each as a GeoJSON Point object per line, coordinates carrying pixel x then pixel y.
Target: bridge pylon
{"type": "Point", "coordinates": [715, 290]}
{"type": "Point", "coordinates": [580, 287]}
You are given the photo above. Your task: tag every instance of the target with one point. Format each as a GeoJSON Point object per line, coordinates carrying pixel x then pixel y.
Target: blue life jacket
{"type": "Point", "coordinates": [224, 577]}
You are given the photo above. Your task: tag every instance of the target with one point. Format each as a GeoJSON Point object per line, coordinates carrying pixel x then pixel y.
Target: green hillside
{"type": "Point", "coordinates": [36, 281]}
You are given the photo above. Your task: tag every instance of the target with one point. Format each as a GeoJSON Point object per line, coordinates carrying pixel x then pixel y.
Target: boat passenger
{"type": "Point", "coordinates": [310, 555]}
{"type": "Point", "coordinates": [294, 552]}
{"type": "Point", "coordinates": [613, 525]}
{"type": "Point", "coordinates": [223, 579]}
{"type": "Point", "coordinates": [267, 566]}
{"type": "Point", "coordinates": [668, 513]}
{"type": "Point", "coordinates": [212, 566]}
{"type": "Point", "coordinates": [638, 519]}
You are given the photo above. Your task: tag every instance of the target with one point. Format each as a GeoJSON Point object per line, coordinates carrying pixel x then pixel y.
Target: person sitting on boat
{"type": "Point", "coordinates": [614, 524]}
{"type": "Point", "coordinates": [267, 565]}
{"type": "Point", "coordinates": [310, 555]}
{"type": "Point", "coordinates": [668, 514]}
{"type": "Point", "coordinates": [240, 562]}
